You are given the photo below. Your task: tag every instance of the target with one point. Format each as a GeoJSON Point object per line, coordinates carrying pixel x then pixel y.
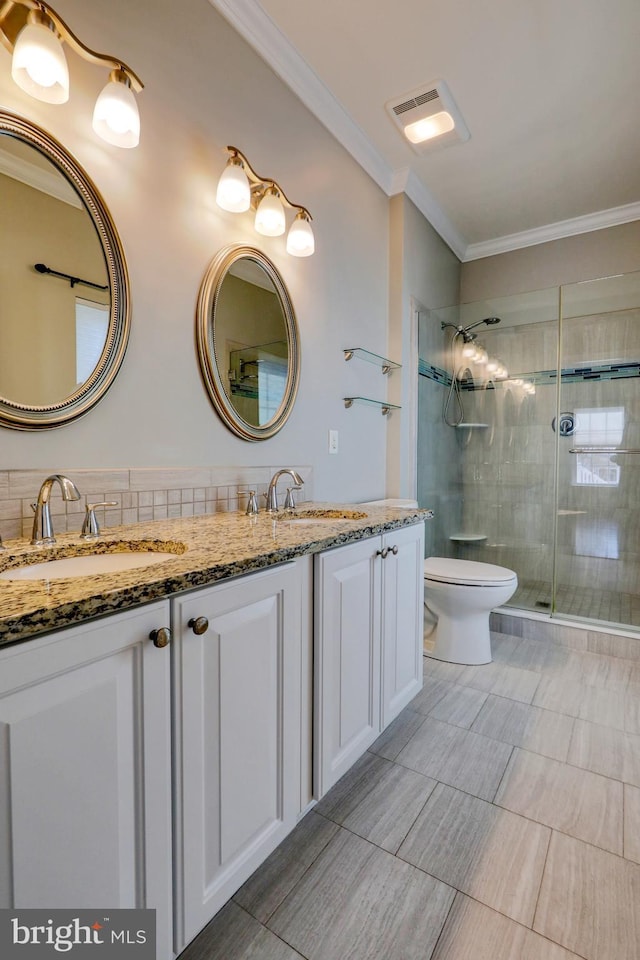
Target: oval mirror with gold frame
{"type": "Point", "coordinates": [64, 288]}
{"type": "Point", "coordinates": [248, 343]}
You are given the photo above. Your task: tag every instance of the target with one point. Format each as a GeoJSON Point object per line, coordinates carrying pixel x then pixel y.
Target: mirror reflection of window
{"type": "Point", "coordinates": [598, 427]}
{"type": "Point", "coordinates": [92, 325]}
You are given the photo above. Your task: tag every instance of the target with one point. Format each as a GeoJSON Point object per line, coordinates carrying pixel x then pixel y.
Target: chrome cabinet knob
{"type": "Point", "coordinates": [199, 625]}
{"type": "Point", "coordinates": [394, 550]}
{"type": "Point", "coordinates": [382, 553]}
{"type": "Point", "coordinates": [161, 637]}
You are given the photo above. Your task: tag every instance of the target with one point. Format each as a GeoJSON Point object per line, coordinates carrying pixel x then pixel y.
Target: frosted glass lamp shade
{"type": "Point", "coordinates": [234, 192]}
{"type": "Point", "coordinates": [270, 219]}
{"type": "Point", "coordinates": [115, 116]}
{"type": "Point", "coordinates": [300, 240]}
{"type": "Point", "coordinates": [39, 66]}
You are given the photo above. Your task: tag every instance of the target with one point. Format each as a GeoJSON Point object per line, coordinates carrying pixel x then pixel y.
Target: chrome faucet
{"type": "Point", "coordinates": [272, 495]}
{"type": "Point", "coordinates": [42, 529]}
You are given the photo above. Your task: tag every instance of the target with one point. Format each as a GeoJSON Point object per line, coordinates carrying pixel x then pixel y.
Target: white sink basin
{"type": "Point", "coordinates": [87, 565]}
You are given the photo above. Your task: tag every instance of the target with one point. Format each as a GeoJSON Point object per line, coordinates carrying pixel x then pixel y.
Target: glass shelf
{"type": "Point", "coordinates": [468, 537]}
{"type": "Point", "coordinates": [385, 407]}
{"type": "Point", "coordinates": [386, 365]}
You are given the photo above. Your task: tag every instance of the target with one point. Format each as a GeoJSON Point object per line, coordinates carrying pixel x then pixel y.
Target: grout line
{"type": "Point", "coordinates": [542, 872]}
{"type": "Point", "coordinates": [458, 893]}
{"type": "Point", "coordinates": [506, 767]}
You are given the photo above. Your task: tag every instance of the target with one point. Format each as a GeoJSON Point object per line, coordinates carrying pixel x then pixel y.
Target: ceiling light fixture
{"type": "Point", "coordinates": [240, 188]}
{"type": "Point", "coordinates": [34, 33]}
{"type": "Point", "coordinates": [428, 116]}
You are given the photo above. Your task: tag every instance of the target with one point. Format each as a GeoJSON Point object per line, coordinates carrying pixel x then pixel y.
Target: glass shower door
{"type": "Point", "coordinates": [597, 556]}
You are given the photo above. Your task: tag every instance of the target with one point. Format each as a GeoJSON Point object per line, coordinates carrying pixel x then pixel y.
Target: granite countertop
{"type": "Point", "coordinates": [207, 549]}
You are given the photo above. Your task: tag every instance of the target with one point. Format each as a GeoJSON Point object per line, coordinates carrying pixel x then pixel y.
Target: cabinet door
{"type": "Point", "coordinates": [347, 637]}
{"type": "Point", "coordinates": [85, 751]}
{"type": "Point", "coordinates": [402, 618]}
{"type": "Point", "coordinates": [237, 736]}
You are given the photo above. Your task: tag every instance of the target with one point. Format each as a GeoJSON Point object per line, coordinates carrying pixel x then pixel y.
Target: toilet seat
{"type": "Point", "coordinates": [468, 573]}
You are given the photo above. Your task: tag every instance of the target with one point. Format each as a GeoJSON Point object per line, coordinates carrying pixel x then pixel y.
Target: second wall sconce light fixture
{"type": "Point", "coordinates": [35, 33]}
{"type": "Point", "coordinates": [240, 188]}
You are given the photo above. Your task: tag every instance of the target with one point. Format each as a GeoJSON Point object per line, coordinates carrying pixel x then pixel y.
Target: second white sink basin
{"type": "Point", "coordinates": [87, 565]}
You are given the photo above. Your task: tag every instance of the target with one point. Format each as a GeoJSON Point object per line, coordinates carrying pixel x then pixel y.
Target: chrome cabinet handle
{"type": "Point", "coordinates": [199, 625]}
{"type": "Point", "coordinates": [161, 637]}
{"type": "Point", "coordinates": [394, 550]}
{"type": "Point", "coordinates": [382, 553]}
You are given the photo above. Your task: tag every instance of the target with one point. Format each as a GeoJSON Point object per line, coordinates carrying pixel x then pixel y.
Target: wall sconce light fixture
{"type": "Point", "coordinates": [240, 188]}
{"type": "Point", "coordinates": [35, 33]}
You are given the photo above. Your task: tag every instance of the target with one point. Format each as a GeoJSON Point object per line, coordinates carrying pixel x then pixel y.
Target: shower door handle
{"type": "Point", "coordinates": [604, 450]}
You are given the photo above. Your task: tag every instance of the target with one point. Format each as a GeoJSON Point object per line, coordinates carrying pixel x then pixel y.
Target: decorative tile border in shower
{"type": "Point", "coordinates": [433, 373]}
{"type": "Point", "coordinates": [605, 371]}
{"type": "Point", "coordinates": [140, 494]}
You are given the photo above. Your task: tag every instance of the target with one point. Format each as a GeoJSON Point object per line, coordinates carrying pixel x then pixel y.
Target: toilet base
{"type": "Point", "coordinates": [465, 640]}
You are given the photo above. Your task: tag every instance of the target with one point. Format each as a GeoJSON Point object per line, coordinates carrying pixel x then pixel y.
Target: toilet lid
{"type": "Point", "coordinates": [467, 572]}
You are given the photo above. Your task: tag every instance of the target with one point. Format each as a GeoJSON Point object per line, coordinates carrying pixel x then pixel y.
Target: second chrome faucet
{"type": "Point", "coordinates": [272, 494]}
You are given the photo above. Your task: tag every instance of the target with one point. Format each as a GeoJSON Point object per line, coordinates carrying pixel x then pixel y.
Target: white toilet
{"type": "Point", "coordinates": [462, 594]}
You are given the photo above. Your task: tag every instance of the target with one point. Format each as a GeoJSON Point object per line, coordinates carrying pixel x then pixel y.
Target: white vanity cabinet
{"type": "Point", "coordinates": [237, 732]}
{"type": "Point", "coordinates": [85, 767]}
{"type": "Point", "coordinates": [368, 644]}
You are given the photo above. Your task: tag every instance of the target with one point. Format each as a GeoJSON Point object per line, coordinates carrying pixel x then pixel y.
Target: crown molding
{"type": "Point", "coordinates": [554, 231]}
{"type": "Point", "coordinates": [46, 181]}
{"type": "Point", "coordinates": [258, 29]}
{"type": "Point", "coordinates": [405, 181]}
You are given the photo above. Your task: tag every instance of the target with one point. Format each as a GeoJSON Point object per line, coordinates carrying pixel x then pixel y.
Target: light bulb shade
{"type": "Point", "coordinates": [300, 240]}
{"type": "Point", "coordinates": [115, 116]}
{"type": "Point", "coordinates": [469, 351]}
{"type": "Point", "coordinates": [234, 192]}
{"type": "Point", "coordinates": [481, 355]}
{"type": "Point", "coordinates": [270, 219]}
{"type": "Point", "coordinates": [429, 127]}
{"type": "Point", "coordinates": [39, 66]}
{"type": "Point", "coordinates": [493, 365]}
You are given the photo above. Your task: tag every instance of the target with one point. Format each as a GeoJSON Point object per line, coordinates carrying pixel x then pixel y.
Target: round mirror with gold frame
{"type": "Point", "coordinates": [64, 289]}
{"type": "Point", "coordinates": [248, 343]}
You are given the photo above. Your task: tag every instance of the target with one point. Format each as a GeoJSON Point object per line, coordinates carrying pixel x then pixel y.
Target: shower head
{"type": "Point", "coordinates": [488, 320]}
{"type": "Point", "coordinates": [464, 331]}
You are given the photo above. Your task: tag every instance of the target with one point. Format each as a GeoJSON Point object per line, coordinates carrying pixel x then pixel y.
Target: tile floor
{"type": "Point", "coordinates": [498, 818]}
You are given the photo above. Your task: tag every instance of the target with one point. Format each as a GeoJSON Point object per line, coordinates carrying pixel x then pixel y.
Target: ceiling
{"type": "Point", "coordinates": [549, 90]}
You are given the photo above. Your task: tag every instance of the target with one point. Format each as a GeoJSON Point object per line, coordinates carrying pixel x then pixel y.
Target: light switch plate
{"type": "Point", "coordinates": [333, 441]}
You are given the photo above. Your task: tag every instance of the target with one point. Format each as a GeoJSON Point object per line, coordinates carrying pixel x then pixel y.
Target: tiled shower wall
{"type": "Point", "coordinates": [438, 460]}
{"type": "Point", "coordinates": [140, 494]}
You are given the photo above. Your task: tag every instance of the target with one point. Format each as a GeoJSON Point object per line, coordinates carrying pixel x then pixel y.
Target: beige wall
{"type": "Point", "coordinates": [423, 272]}
{"type": "Point", "coordinates": [601, 253]}
{"type": "Point", "coordinates": [37, 312]}
{"type": "Point", "coordinates": [205, 88]}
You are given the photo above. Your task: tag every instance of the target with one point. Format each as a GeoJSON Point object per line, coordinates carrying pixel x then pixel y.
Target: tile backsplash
{"type": "Point", "coordinates": [140, 494]}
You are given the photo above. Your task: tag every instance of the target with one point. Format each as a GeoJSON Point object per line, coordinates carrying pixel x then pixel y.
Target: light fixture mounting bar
{"type": "Point", "coordinates": [260, 184]}
{"type": "Point", "coordinates": [13, 17]}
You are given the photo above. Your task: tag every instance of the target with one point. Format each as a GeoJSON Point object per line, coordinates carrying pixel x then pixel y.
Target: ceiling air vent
{"type": "Point", "coordinates": [428, 117]}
